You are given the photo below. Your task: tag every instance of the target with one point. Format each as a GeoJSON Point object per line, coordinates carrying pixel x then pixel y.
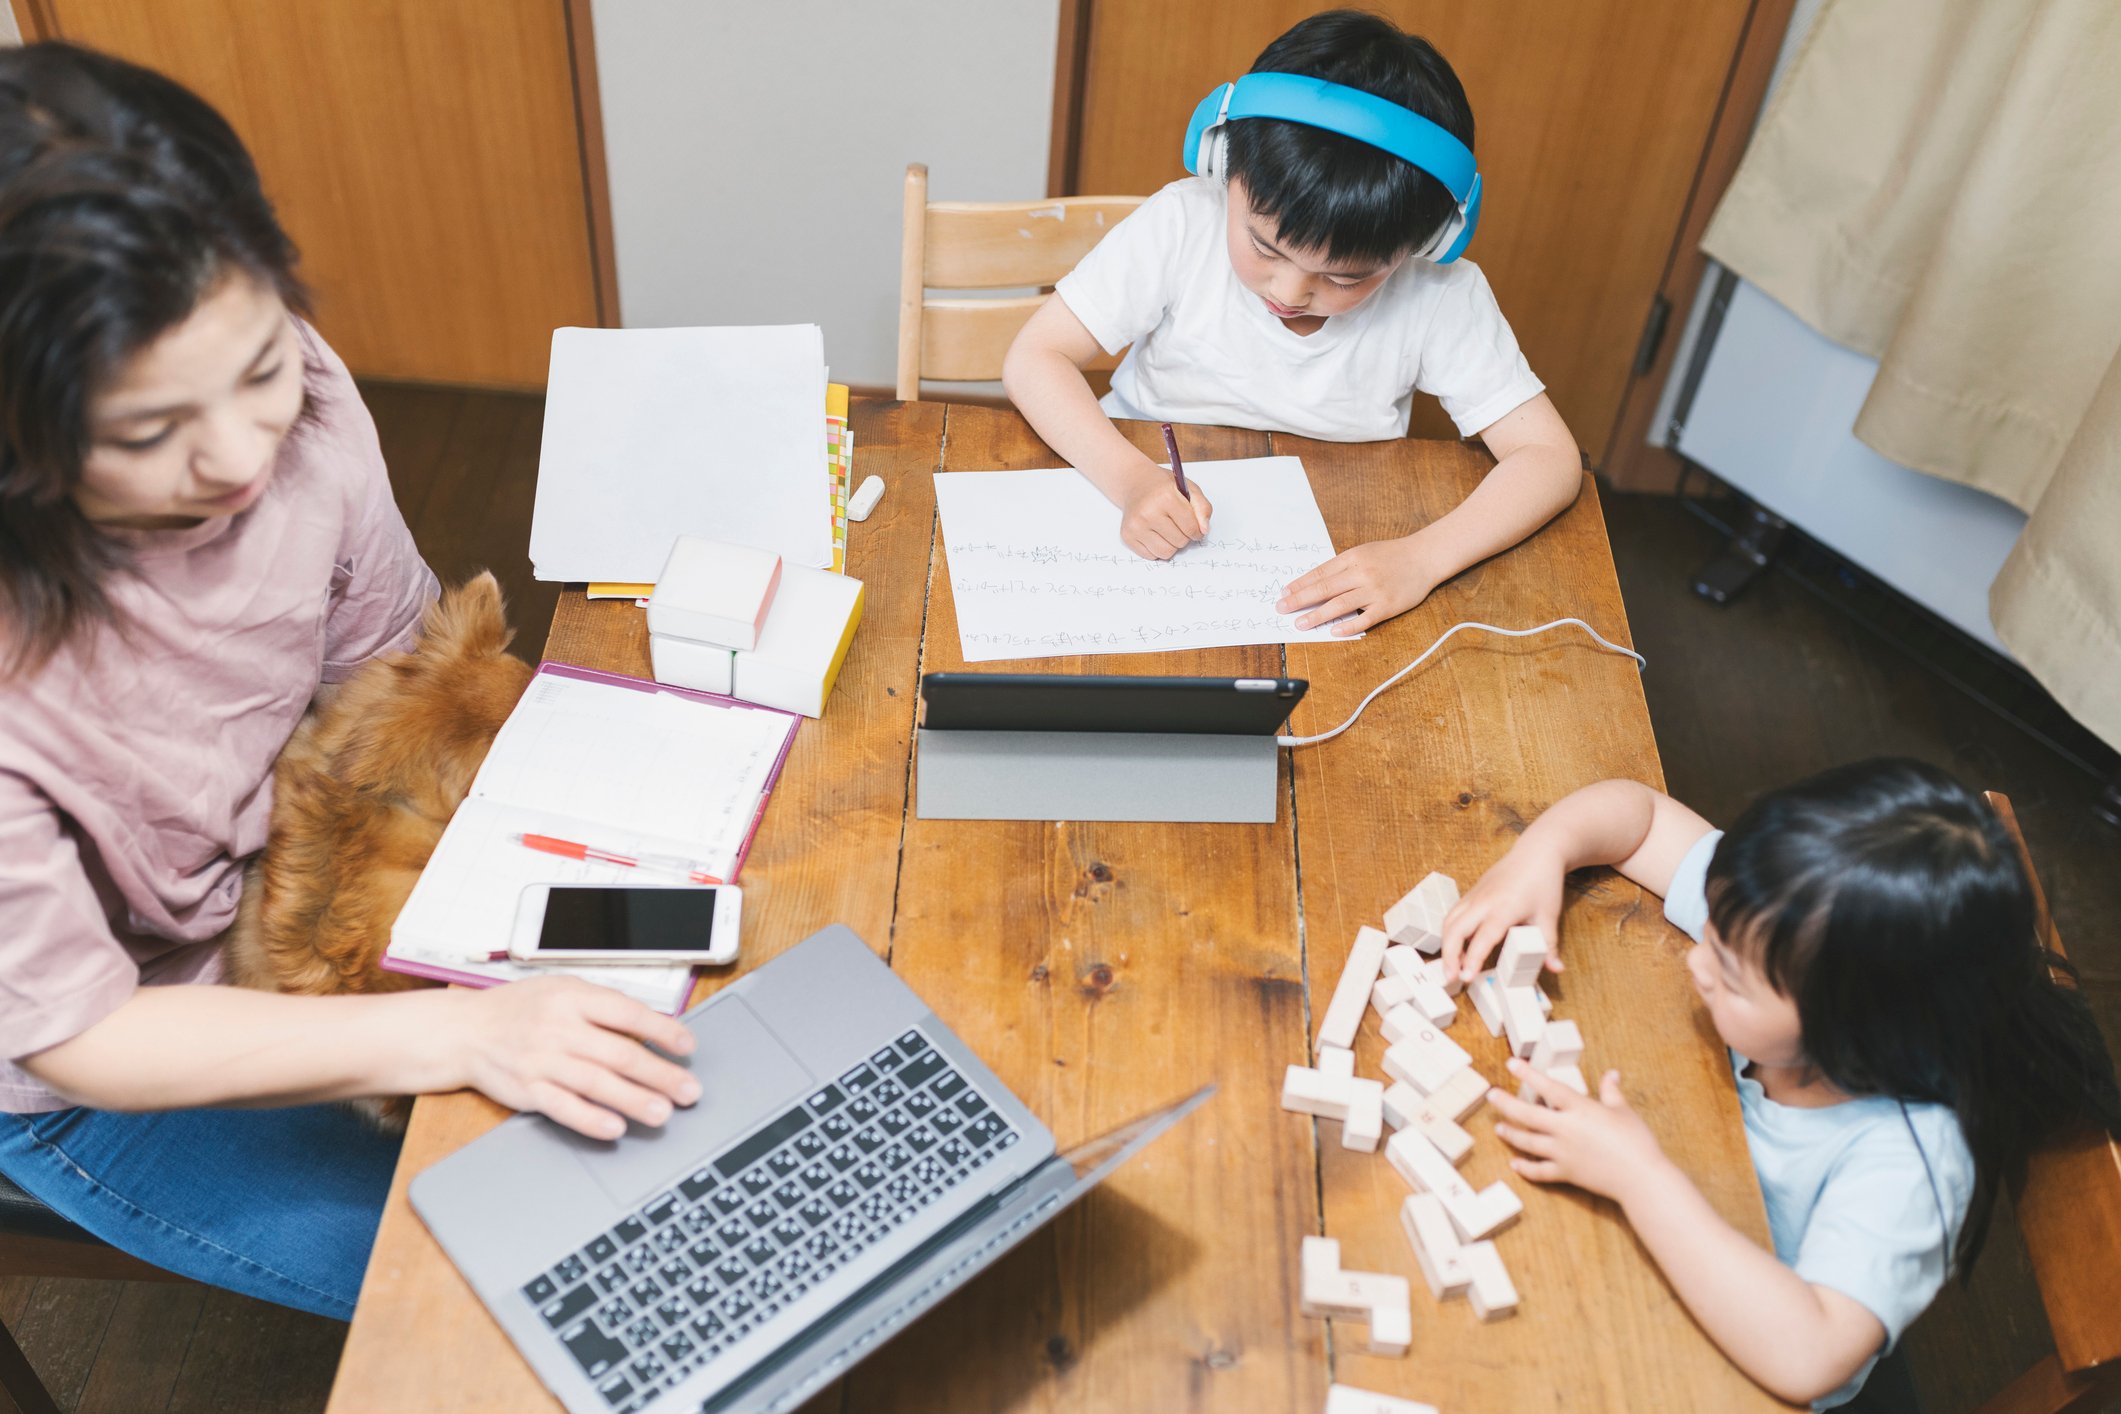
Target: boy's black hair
{"type": "Point", "coordinates": [1336, 193]}
{"type": "Point", "coordinates": [1889, 902]}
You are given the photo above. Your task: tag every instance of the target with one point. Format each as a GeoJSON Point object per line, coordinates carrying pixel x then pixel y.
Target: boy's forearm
{"type": "Point", "coordinates": [187, 1046]}
{"type": "Point", "coordinates": [1527, 488]}
{"type": "Point", "coordinates": [1762, 1314]}
{"type": "Point", "coordinates": [1601, 823]}
{"type": "Point", "coordinates": [1056, 400]}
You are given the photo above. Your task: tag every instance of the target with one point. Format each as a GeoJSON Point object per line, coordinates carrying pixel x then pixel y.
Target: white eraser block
{"type": "Point", "coordinates": [1435, 1243]}
{"type": "Point", "coordinates": [1364, 1123]}
{"type": "Point", "coordinates": [865, 497]}
{"type": "Point", "coordinates": [702, 667]}
{"type": "Point", "coordinates": [1352, 994]}
{"type": "Point", "coordinates": [1524, 952]}
{"type": "Point", "coordinates": [1487, 1002]}
{"type": "Point", "coordinates": [1522, 1021]}
{"type": "Point", "coordinates": [803, 643]}
{"type": "Point", "coordinates": [712, 592]}
{"type": "Point", "coordinates": [1347, 1399]}
{"type": "Point", "coordinates": [1559, 1044]}
{"type": "Point", "coordinates": [1490, 1290]}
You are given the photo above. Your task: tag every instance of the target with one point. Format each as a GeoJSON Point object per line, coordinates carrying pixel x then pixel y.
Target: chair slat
{"type": "Point", "coordinates": [966, 340]}
{"type": "Point", "coordinates": [1005, 244]}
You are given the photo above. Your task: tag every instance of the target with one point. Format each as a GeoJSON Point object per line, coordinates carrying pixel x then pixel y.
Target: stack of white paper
{"type": "Point", "coordinates": [655, 433]}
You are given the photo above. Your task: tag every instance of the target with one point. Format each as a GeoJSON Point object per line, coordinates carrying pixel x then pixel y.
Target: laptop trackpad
{"type": "Point", "coordinates": [746, 1075]}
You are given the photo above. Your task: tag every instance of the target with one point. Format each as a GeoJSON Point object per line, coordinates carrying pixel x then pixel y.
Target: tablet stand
{"type": "Point", "coordinates": [1167, 776]}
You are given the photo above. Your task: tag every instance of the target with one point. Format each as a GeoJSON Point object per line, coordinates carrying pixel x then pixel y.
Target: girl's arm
{"type": "Point", "coordinates": [1043, 375]}
{"type": "Point", "coordinates": [561, 1046]}
{"type": "Point", "coordinates": [1538, 472]}
{"type": "Point", "coordinates": [1796, 1340]}
{"type": "Point", "coordinates": [1641, 832]}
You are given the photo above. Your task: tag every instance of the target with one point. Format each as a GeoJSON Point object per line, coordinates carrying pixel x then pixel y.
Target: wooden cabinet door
{"type": "Point", "coordinates": [1590, 119]}
{"type": "Point", "coordinates": [428, 157]}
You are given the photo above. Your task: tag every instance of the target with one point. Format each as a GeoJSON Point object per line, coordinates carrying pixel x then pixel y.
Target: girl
{"type": "Point", "coordinates": [1866, 949]}
{"type": "Point", "coordinates": [196, 538]}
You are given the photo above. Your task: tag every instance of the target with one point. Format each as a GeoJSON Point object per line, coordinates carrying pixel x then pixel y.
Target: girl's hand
{"type": "Point", "coordinates": [1599, 1144]}
{"type": "Point", "coordinates": [572, 1050]}
{"type": "Point", "coordinates": [1372, 582]}
{"type": "Point", "coordinates": [1524, 886]}
{"type": "Point", "coordinates": [1156, 522]}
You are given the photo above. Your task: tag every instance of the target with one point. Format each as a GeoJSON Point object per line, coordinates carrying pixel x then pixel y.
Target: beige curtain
{"type": "Point", "coordinates": [1937, 184]}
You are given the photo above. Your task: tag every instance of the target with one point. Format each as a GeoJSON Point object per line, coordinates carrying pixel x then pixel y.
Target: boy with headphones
{"type": "Point", "coordinates": [1307, 280]}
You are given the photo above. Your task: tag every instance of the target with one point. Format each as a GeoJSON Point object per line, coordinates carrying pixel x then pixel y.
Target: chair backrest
{"type": "Point", "coordinates": [2069, 1208]}
{"type": "Point", "coordinates": [984, 245]}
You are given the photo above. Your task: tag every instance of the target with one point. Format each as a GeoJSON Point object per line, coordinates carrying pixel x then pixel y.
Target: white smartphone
{"type": "Point", "coordinates": [628, 924]}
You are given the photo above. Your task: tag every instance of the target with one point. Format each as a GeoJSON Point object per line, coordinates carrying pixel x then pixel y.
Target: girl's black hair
{"type": "Point", "coordinates": [1889, 902]}
{"type": "Point", "coordinates": [124, 199]}
{"type": "Point", "coordinates": [1336, 193]}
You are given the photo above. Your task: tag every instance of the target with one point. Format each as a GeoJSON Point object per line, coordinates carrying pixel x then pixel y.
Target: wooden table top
{"type": "Point", "coordinates": [1104, 970]}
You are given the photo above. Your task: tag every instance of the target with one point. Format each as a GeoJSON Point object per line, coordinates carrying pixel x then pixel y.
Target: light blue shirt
{"type": "Point", "coordinates": [1857, 1193]}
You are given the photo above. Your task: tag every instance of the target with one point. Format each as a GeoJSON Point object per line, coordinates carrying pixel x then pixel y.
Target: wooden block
{"type": "Point", "coordinates": [1559, 1044]}
{"type": "Point", "coordinates": [1524, 952]}
{"type": "Point", "coordinates": [1460, 1095]}
{"type": "Point", "coordinates": [1417, 919]}
{"type": "Point", "coordinates": [1335, 1293]}
{"type": "Point", "coordinates": [1546, 1005]}
{"type": "Point", "coordinates": [1347, 1399]}
{"type": "Point", "coordinates": [1305, 1091]}
{"type": "Point", "coordinates": [1344, 1012]}
{"type": "Point", "coordinates": [1399, 1103]}
{"type": "Point", "coordinates": [1363, 1124]}
{"type": "Point", "coordinates": [1435, 1243]}
{"type": "Point", "coordinates": [1391, 992]}
{"type": "Point", "coordinates": [1427, 1170]}
{"type": "Point", "coordinates": [1433, 1002]}
{"type": "Point", "coordinates": [1404, 1106]}
{"type": "Point", "coordinates": [1405, 963]}
{"type": "Point", "coordinates": [1487, 1002]}
{"type": "Point", "coordinates": [1568, 1075]}
{"type": "Point", "coordinates": [1493, 1208]}
{"type": "Point", "coordinates": [1490, 1290]}
{"type": "Point", "coordinates": [1337, 1062]}
{"type": "Point", "coordinates": [1521, 1019]}
{"type": "Point", "coordinates": [1392, 1323]}
{"type": "Point", "coordinates": [1445, 1134]}
{"type": "Point", "coordinates": [1418, 1053]}
{"type": "Point", "coordinates": [1319, 1255]}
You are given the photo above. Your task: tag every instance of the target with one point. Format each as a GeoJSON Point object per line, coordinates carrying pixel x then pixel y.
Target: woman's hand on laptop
{"type": "Point", "coordinates": [572, 1050]}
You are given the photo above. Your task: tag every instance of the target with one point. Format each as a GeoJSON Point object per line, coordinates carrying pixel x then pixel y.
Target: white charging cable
{"type": "Point", "coordinates": [1640, 664]}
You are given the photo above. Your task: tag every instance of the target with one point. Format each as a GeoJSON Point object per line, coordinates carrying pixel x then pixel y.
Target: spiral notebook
{"type": "Point", "coordinates": [620, 763]}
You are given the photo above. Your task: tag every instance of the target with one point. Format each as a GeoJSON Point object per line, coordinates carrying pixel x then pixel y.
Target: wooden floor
{"type": "Point", "coordinates": [1775, 686]}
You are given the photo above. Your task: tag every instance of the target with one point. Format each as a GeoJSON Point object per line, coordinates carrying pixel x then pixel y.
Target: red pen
{"type": "Point", "coordinates": [654, 863]}
{"type": "Point", "coordinates": [1178, 468]}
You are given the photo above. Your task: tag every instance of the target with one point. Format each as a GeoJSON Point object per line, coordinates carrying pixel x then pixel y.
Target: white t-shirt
{"type": "Point", "coordinates": [1207, 350]}
{"type": "Point", "coordinates": [1849, 1188]}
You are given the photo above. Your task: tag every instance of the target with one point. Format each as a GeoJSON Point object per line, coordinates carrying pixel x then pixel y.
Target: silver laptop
{"type": "Point", "coordinates": [850, 1163]}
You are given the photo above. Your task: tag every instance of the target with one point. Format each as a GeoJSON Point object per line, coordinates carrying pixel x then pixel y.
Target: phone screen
{"type": "Point", "coordinates": [628, 920]}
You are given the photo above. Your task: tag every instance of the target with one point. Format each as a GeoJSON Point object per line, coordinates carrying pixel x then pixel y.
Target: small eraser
{"type": "Point", "coordinates": [1489, 1290]}
{"type": "Point", "coordinates": [714, 592]}
{"type": "Point", "coordinates": [803, 643]}
{"type": "Point", "coordinates": [865, 497]}
{"type": "Point", "coordinates": [1524, 952]}
{"type": "Point", "coordinates": [1347, 1399]}
{"type": "Point", "coordinates": [1351, 996]}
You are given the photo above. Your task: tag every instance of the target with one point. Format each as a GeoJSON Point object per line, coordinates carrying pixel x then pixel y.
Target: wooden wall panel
{"type": "Point", "coordinates": [1590, 118]}
{"type": "Point", "coordinates": [425, 155]}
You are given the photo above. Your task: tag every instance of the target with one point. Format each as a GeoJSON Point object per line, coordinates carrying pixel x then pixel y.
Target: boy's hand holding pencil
{"type": "Point", "coordinates": [1161, 517]}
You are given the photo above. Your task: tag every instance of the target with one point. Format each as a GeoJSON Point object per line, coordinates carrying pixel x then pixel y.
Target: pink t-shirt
{"type": "Point", "coordinates": [136, 774]}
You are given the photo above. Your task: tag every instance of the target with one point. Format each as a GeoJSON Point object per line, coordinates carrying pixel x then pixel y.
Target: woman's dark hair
{"type": "Point", "coordinates": [123, 200]}
{"type": "Point", "coordinates": [1889, 902]}
{"type": "Point", "coordinates": [1336, 193]}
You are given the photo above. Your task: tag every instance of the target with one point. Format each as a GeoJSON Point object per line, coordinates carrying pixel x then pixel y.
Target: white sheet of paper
{"type": "Point", "coordinates": [655, 433]}
{"type": "Point", "coordinates": [1039, 571]}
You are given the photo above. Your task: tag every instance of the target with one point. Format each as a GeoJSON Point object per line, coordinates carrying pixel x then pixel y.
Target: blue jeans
{"type": "Point", "coordinates": [278, 1204]}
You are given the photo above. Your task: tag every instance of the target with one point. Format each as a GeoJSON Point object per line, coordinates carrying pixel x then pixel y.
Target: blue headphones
{"type": "Point", "coordinates": [1382, 124]}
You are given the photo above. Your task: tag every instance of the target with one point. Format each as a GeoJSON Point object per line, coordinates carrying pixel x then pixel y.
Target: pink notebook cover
{"type": "Point", "coordinates": [773, 776]}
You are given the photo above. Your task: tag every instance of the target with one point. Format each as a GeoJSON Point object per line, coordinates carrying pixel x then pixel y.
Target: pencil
{"type": "Point", "coordinates": [1178, 468]}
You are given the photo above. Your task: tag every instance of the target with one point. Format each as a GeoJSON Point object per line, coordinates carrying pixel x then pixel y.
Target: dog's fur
{"type": "Point", "coordinates": [360, 796]}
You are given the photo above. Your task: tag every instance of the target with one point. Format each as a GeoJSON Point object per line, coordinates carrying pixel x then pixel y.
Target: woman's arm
{"type": "Point", "coordinates": [1797, 1340]}
{"type": "Point", "coordinates": [1043, 375]}
{"type": "Point", "coordinates": [566, 1048]}
{"type": "Point", "coordinates": [1643, 833]}
{"type": "Point", "coordinates": [1537, 473]}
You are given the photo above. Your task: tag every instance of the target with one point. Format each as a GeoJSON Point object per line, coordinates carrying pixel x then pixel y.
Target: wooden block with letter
{"type": "Point", "coordinates": [1344, 1012]}
{"type": "Point", "coordinates": [1435, 1243]}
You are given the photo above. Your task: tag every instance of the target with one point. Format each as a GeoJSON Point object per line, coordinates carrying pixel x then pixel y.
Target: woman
{"type": "Point", "coordinates": [197, 536]}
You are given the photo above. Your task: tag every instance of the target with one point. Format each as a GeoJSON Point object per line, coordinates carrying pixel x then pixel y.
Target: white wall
{"type": "Point", "coordinates": [757, 152]}
{"type": "Point", "coordinates": [10, 33]}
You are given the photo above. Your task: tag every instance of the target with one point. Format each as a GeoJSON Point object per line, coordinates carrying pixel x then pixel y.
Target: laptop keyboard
{"type": "Point", "coordinates": [695, 1269]}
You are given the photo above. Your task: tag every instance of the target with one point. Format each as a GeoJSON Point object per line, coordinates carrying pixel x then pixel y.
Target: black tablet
{"type": "Point", "coordinates": [1071, 702]}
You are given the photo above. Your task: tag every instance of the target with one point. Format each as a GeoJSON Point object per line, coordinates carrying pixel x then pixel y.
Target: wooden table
{"type": "Point", "coordinates": [1106, 969]}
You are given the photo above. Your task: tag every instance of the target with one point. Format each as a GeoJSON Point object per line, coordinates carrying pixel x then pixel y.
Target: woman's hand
{"type": "Point", "coordinates": [572, 1050]}
{"type": "Point", "coordinates": [1372, 582]}
{"type": "Point", "coordinates": [1523, 887]}
{"type": "Point", "coordinates": [1156, 522]}
{"type": "Point", "coordinates": [1600, 1144]}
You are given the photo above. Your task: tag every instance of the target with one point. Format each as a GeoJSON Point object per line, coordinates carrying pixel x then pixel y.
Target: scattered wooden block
{"type": "Point", "coordinates": [1405, 963]}
{"type": "Point", "coordinates": [1522, 1020]}
{"type": "Point", "coordinates": [1336, 1294]}
{"type": "Point", "coordinates": [1333, 1091]}
{"type": "Point", "coordinates": [1347, 1399]}
{"type": "Point", "coordinates": [1352, 994]}
{"type": "Point", "coordinates": [1418, 1053]}
{"type": "Point", "coordinates": [1435, 1243]}
{"type": "Point", "coordinates": [1487, 1002]}
{"type": "Point", "coordinates": [1404, 1106]}
{"type": "Point", "coordinates": [1460, 1095]}
{"type": "Point", "coordinates": [1572, 1077]}
{"type": "Point", "coordinates": [1364, 1123]}
{"type": "Point", "coordinates": [1318, 1256]}
{"type": "Point", "coordinates": [1546, 1005]}
{"type": "Point", "coordinates": [1555, 1053]}
{"type": "Point", "coordinates": [1417, 919]}
{"type": "Point", "coordinates": [1309, 1092]}
{"type": "Point", "coordinates": [1392, 1322]}
{"type": "Point", "coordinates": [1336, 1061]}
{"type": "Point", "coordinates": [1524, 952]}
{"type": "Point", "coordinates": [1432, 1001]}
{"type": "Point", "coordinates": [1427, 1170]}
{"type": "Point", "coordinates": [1490, 1291]}
{"type": "Point", "coordinates": [1391, 992]}
{"type": "Point", "coordinates": [1376, 1298]}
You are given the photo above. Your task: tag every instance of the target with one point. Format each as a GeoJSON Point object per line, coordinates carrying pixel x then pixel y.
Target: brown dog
{"type": "Point", "coordinates": [360, 796]}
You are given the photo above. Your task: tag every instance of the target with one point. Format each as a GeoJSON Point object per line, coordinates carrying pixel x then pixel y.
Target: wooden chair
{"type": "Point", "coordinates": [37, 1242]}
{"type": "Point", "coordinates": [2069, 1210]}
{"type": "Point", "coordinates": [987, 245]}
